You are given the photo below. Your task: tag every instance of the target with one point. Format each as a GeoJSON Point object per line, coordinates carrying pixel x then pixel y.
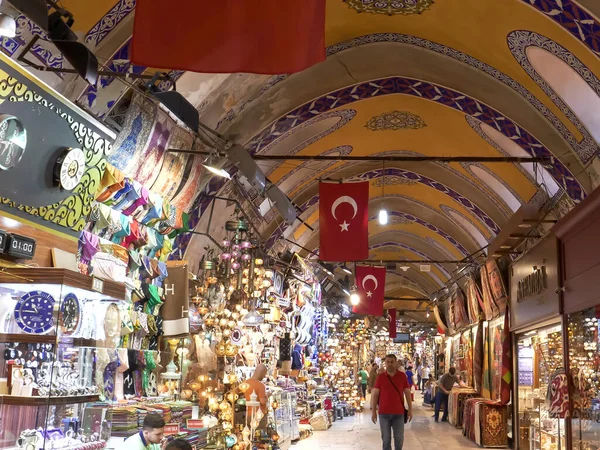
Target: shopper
{"type": "Point", "coordinates": [419, 375]}
{"type": "Point", "coordinates": [411, 381]}
{"type": "Point", "coordinates": [364, 380]}
{"type": "Point", "coordinates": [178, 444]}
{"type": "Point", "coordinates": [151, 436]}
{"type": "Point", "coordinates": [425, 374]}
{"type": "Point", "coordinates": [428, 391]}
{"type": "Point", "coordinates": [373, 376]}
{"type": "Point", "coordinates": [445, 384]}
{"type": "Point", "coordinates": [256, 385]}
{"type": "Point", "coordinates": [387, 397]}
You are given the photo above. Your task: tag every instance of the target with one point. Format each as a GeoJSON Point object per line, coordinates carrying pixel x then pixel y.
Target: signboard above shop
{"type": "Point", "coordinates": [534, 285]}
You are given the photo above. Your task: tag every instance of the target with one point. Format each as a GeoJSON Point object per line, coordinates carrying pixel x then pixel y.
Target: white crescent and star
{"type": "Point", "coordinates": [368, 278]}
{"type": "Point", "coordinates": [344, 199]}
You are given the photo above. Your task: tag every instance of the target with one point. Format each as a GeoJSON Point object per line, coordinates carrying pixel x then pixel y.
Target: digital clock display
{"type": "Point", "coordinates": [20, 246]}
{"type": "Point", "coordinates": [3, 240]}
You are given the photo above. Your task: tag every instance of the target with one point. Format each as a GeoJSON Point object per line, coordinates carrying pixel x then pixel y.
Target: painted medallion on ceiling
{"type": "Point", "coordinates": [390, 7]}
{"type": "Point", "coordinates": [395, 120]}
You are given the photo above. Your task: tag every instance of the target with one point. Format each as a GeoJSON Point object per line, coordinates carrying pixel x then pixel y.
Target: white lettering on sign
{"type": "Point", "coordinates": [169, 289]}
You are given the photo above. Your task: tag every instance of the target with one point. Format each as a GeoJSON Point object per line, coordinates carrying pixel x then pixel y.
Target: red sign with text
{"type": "Point", "coordinates": [171, 429]}
{"type": "Point", "coordinates": [195, 424]}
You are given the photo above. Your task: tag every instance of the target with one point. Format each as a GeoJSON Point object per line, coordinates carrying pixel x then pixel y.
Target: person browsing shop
{"type": "Point", "coordinates": [150, 438]}
{"type": "Point", "coordinates": [445, 384]}
{"type": "Point", "coordinates": [363, 376]}
{"type": "Point", "coordinates": [387, 400]}
{"type": "Point", "coordinates": [256, 385]}
{"type": "Point", "coordinates": [373, 376]}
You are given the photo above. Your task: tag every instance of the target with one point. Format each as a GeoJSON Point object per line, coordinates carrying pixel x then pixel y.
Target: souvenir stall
{"type": "Point", "coordinates": [579, 387]}
{"type": "Point", "coordinates": [538, 346]}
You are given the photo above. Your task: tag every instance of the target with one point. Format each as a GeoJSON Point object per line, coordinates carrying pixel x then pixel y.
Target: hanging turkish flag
{"type": "Point", "coordinates": [344, 221]}
{"type": "Point", "coordinates": [228, 36]}
{"type": "Point", "coordinates": [371, 288]}
{"type": "Point", "coordinates": [392, 324]}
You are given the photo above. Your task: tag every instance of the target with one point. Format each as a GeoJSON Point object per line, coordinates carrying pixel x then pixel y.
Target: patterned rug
{"type": "Point", "coordinates": [493, 424]}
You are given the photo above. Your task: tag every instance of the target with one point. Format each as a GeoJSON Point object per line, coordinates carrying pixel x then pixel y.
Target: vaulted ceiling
{"type": "Point", "coordinates": [414, 77]}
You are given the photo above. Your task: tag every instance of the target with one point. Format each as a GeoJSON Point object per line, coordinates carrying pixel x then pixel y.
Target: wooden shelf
{"type": "Point", "coordinates": [43, 401]}
{"type": "Point", "coordinates": [27, 338]}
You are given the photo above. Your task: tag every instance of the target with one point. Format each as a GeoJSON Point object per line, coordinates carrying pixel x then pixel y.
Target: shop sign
{"type": "Point", "coordinates": [171, 429]}
{"type": "Point", "coordinates": [283, 302]}
{"type": "Point", "coordinates": [195, 424]}
{"type": "Point", "coordinates": [533, 284]}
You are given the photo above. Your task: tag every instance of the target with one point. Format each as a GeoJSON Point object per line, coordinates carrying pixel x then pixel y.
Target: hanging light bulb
{"type": "Point", "coordinates": [219, 172]}
{"type": "Point", "coordinates": [383, 216]}
{"type": "Point", "coordinates": [354, 297]}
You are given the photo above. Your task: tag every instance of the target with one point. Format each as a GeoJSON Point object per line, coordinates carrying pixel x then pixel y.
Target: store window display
{"type": "Point", "coordinates": [584, 362]}
{"type": "Point", "coordinates": [541, 389]}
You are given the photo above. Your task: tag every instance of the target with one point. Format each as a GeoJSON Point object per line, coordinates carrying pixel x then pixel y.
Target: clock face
{"type": "Point", "coordinates": [34, 312]}
{"type": "Point", "coordinates": [70, 314]}
{"type": "Point", "coordinates": [13, 139]}
{"type": "Point", "coordinates": [72, 169]}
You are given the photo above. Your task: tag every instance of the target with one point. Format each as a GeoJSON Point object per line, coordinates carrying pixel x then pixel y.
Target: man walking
{"type": "Point", "coordinates": [363, 376]}
{"type": "Point", "coordinates": [425, 375]}
{"type": "Point", "coordinates": [445, 384]}
{"type": "Point", "coordinates": [419, 375]}
{"type": "Point", "coordinates": [387, 396]}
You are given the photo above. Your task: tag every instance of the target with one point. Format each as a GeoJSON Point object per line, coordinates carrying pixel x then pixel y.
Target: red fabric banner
{"type": "Point", "coordinates": [229, 36]}
{"type": "Point", "coordinates": [506, 383]}
{"type": "Point", "coordinates": [392, 325]}
{"type": "Point", "coordinates": [371, 288]}
{"type": "Point", "coordinates": [344, 221]}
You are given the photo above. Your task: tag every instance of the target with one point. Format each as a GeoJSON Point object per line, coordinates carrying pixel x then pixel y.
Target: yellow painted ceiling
{"type": "Point", "coordinates": [87, 12]}
{"type": "Point", "coordinates": [446, 133]}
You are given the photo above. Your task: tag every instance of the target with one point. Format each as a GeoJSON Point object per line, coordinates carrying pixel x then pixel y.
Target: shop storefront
{"type": "Point", "coordinates": [537, 345]}
{"type": "Point", "coordinates": [580, 270]}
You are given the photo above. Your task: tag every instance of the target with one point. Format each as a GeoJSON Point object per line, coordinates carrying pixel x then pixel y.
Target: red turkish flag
{"type": "Point", "coordinates": [344, 221]}
{"type": "Point", "coordinates": [392, 326]}
{"type": "Point", "coordinates": [371, 288]}
{"type": "Point", "coordinates": [227, 36]}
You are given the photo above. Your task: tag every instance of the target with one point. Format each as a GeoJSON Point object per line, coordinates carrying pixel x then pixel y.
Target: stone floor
{"type": "Point", "coordinates": [359, 433]}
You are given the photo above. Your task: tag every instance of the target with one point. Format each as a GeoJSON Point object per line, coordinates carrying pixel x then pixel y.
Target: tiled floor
{"type": "Point", "coordinates": [359, 433]}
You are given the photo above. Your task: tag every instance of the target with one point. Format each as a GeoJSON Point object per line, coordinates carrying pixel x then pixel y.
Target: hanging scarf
{"type": "Point", "coordinates": [486, 385]}
{"type": "Point", "coordinates": [506, 383]}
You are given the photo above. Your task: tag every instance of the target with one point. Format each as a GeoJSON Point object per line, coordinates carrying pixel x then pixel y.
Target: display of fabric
{"type": "Point", "coordinates": [441, 323]}
{"type": "Point", "coordinates": [465, 363]}
{"type": "Point", "coordinates": [474, 301]}
{"type": "Point", "coordinates": [486, 385]}
{"type": "Point", "coordinates": [558, 395]}
{"type": "Point", "coordinates": [457, 311]}
{"type": "Point", "coordinates": [489, 306]}
{"type": "Point", "coordinates": [494, 425]}
{"type": "Point", "coordinates": [478, 358]}
{"type": "Point", "coordinates": [456, 403]}
{"type": "Point", "coordinates": [497, 285]}
{"type": "Point", "coordinates": [507, 361]}
{"type": "Point", "coordinates": [496, 349]}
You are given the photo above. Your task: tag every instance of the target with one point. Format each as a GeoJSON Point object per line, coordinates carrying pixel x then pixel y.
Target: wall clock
{"type": "Point", "coordinates": [34, 312]}
{"type": "Point", "coordinates": [70, 314]}
{"type": "Point", "coordinates": [69, 169]}
{"type": "Point", "coordinates": [13, 140]}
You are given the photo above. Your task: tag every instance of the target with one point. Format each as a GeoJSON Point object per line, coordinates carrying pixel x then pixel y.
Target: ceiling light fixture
{"type": "Point", "coordinates": [346, 270]}
{"type": "Point", "coordinates": [383, 214]}
{"type": "Point", "coordinates": [404, 268]}
{"type": "Point", "coordinates": [217, 171]}
{"type": "Point", "coordinates": [354, 297]}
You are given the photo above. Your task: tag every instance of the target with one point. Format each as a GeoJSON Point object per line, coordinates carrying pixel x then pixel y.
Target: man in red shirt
{"type": "Point", "coordinates": [387, 397]}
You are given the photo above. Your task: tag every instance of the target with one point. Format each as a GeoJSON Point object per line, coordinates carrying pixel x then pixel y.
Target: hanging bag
{"type": "Point", "coordinates": [401, 398]}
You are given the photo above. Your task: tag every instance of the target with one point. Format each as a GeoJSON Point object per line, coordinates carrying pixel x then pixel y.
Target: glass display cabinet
{"type": "Point", "coordinates": [58, 333]}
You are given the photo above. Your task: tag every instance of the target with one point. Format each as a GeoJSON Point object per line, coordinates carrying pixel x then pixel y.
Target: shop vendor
{"type": "Point", "coordinates": [150, 438]}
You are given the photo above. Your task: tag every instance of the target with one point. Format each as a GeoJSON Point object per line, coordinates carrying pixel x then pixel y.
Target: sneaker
{"type": "Point", "coordinates": [437, 421]}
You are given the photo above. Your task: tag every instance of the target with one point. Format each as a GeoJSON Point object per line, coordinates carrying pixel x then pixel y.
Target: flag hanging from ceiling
{"type": "Point", "coordinates": [229, 36]}
{"type": "Point", "coordinates": [344, 221]}
{"type": "Point", "coordinates": [392, 326]}
{"type": "Point", "coordinates": [371, 289]}
{"type": "Point", "coordinates": [506, 383]}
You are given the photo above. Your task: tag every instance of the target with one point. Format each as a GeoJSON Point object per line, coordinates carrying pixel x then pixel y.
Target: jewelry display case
{"type": "Point", "coordinates": [54, 326]}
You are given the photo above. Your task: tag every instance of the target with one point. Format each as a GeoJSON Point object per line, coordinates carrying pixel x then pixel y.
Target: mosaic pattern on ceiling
{"type": "Point", "coordinates": [587, 145]}
{"type": "Point", "coordinates": [518, 41]}
{"type": "Point", "coordinates": [390, 7]}
{"type": "Point", "coordinates": [438, 94]}
{"type": "Point", "coordinates": [393, 181]}
{"type": "Point", "coordinates": [395, 120]}
{"type": "Point", "coordinates": [109, 22]}
{"type": "Point", "coordinates": [573, 18]}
